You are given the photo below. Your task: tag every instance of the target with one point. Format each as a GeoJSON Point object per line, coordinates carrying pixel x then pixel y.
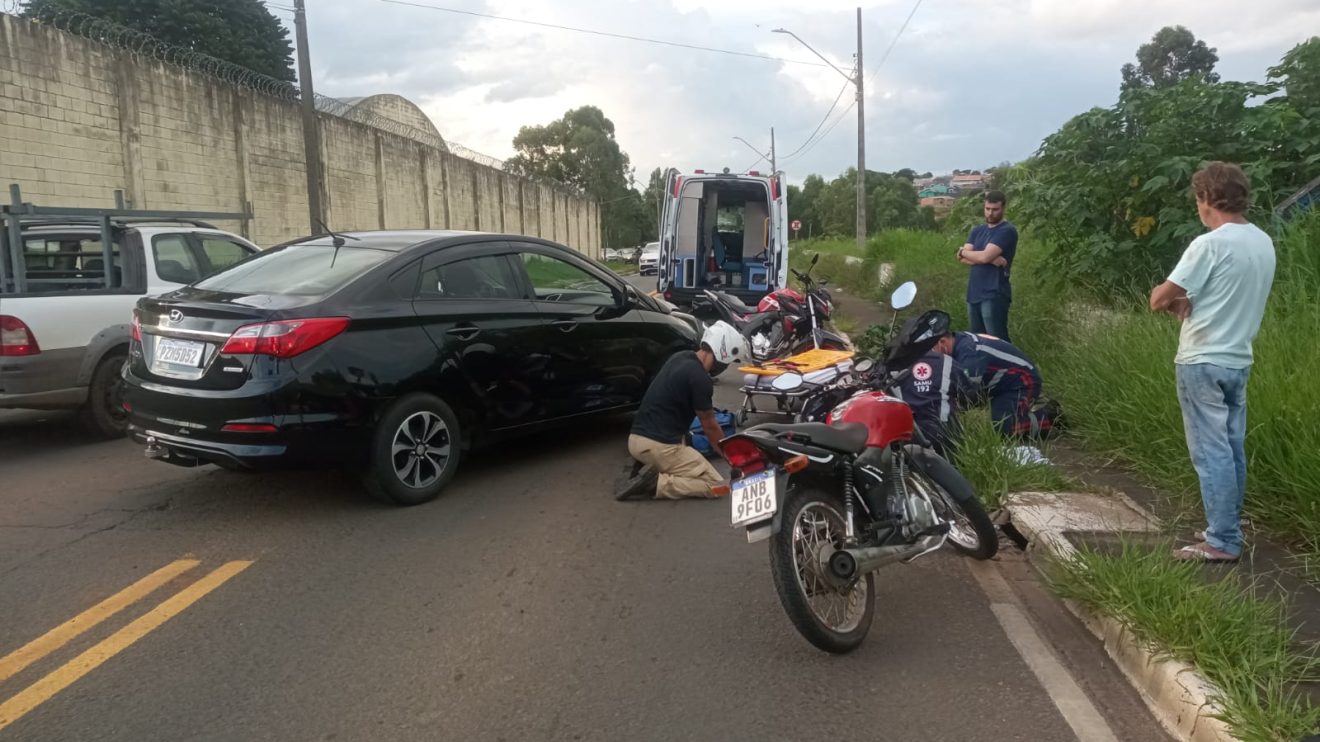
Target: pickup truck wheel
{"type": "Point", "coordinates": [103, 414]}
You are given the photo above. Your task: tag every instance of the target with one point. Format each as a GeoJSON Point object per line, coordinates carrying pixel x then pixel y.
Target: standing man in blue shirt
{"type": "Point", "coordinates": [989, 251]}
{"type": "Point", "coordinates": [1218, 290]}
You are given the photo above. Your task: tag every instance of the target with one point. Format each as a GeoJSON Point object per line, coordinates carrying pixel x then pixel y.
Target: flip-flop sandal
{"type": "Point", "coordinates": [1202, 552]}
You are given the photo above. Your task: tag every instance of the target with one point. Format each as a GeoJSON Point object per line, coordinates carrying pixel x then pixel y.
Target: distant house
{"type": "Point", "coordinates": [969, 182]}
{"type": "Point", "coordinates": [937, 189]}
{"type": "Point", "coordinates": [944, 201]}
{"type": "Point", "coordinates": [922, 184]}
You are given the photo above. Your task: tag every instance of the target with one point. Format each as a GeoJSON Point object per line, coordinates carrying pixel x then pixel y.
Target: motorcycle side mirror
{"type": "Point", "coordinates": [814, 258]}
{"type": "Point", "coordinates": [787, 382]}
{"type": "Point", "coordinates": [864, 366]}
{"type": "Point", "coordinates": [903, 296]}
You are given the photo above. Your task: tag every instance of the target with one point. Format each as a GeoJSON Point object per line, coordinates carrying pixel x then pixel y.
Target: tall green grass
{"type": "Point", "coordinates": [1111, 365]}
{"type": "Point", "coordinates": [1113, 370]}
{"type": "Point", "coordinates": [1239, 638]}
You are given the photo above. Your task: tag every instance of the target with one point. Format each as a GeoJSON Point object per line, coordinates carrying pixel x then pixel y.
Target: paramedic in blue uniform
{"type": "Point", "coordinates": [1008, 378]}
{"type": "Point", "coordinates": [936, 387]}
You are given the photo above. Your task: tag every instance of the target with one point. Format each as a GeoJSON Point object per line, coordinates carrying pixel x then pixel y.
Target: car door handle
{"type": "Point", "coordinates": [464, 333]}
{"type": "Point", "coordinates": [565, 325]}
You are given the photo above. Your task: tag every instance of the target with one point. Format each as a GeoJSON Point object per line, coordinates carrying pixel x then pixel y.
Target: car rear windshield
{"type": "Point", "coordinates": [298, 270]}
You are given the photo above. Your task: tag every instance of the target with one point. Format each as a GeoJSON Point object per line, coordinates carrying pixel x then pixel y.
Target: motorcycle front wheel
{"type": "Point", "coordinates": [971, 531]}
{"type": "Point", "coordinates": [834, 618]}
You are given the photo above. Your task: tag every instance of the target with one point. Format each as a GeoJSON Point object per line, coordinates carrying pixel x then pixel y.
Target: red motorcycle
{"type": "Point", "coordinates": [785, 322]}
{"type": "Point", "coordinates": [838, 500]}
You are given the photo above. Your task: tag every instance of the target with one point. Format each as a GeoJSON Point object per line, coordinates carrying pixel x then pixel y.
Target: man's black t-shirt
{"type": "Point", "coordinates": [679, 391]}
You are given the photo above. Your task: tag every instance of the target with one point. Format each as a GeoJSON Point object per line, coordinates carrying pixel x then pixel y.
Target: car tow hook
{"type": "Point", "coordinates": [155, 450]}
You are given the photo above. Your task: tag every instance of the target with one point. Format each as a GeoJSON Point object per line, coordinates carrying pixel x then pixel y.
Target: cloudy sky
{"type": "Point", "coordinates": [970, 83]}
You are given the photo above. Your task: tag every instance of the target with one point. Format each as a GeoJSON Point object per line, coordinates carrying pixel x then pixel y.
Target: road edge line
{"type": "Point", "coordinates": [1179, 696]}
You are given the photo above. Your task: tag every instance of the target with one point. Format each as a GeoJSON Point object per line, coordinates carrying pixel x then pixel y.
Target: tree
{"type": "Point", "coordinates": [1110, 188]}
{"type": "Point", "coordinates": [906, 173]}
{"type": "Point", "coordinates": [1172, 55]}
{"type": "Point", "coordinates": [243, 32]}
{"type": "Point", "coordinates": [806, 208]}
{"type": "Point", "coordinates": [653, 200]}
{"type": "Point", "coordinates": [579, 150]}
{"type": "Point", "coordinates": [1299, 74]}
{"type": "Point", "coordinates": [893, 204]}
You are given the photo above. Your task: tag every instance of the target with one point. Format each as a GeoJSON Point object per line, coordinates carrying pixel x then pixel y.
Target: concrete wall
{"type": "Point", "coordinates": [79, 120]}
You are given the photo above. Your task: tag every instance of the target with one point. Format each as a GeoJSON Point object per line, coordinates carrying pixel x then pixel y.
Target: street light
{"type": "Point", "coordinates": [767, 157]}
{"type": "Point", "coordinates": [857, 82]}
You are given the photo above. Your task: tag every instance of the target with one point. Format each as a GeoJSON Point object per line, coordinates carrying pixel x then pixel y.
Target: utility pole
{"type": "Point", "coordinates": [861, 144]}
{"type": "Point", "coordinates": [774, 167]}
{"type": "Point", "coordinates": [311, 131]}
{"type": "Point", "coordinates": [856, 80]}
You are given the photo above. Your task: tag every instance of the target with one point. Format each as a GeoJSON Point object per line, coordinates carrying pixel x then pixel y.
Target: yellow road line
{"type": "Point", "coordinates": [44, 689]}
{"type": "Point", "coordinates": [14, 662]}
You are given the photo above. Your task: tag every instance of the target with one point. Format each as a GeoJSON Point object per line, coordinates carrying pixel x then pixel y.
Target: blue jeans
{"type": "Point", "coordinates": [989, 317]}
{"type": "Point", "coordinates": [1214, 410]}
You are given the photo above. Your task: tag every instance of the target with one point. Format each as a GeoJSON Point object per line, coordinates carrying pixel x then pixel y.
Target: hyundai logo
{"type": "Point", "coordinates": [176, 315]}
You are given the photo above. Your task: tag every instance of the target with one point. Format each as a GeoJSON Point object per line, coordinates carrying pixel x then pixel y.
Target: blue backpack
{"type": "Point", "coordinates": [723, 418]}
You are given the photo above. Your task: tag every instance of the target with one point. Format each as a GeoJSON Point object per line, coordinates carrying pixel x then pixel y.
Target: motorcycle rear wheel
{"type": "Point", "coordinates": [833, 619]}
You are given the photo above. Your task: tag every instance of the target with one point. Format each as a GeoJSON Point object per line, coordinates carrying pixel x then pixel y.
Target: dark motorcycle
{"type": "Point", "coordinates": [786, 322]}
{"type": "Point", "coordinates": [840, 499]}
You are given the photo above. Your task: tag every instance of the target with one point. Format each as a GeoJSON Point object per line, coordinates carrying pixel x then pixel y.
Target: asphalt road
{"type": "Point", "coordinates": [524, 604]}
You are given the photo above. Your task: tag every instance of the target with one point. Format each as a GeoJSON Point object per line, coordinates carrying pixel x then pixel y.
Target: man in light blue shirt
{"type": "Point", "coordinates": [1218, 290]}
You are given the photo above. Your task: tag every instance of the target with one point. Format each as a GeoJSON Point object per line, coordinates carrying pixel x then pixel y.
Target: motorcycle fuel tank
{"type": "Point", "coordinates": [887, 419]}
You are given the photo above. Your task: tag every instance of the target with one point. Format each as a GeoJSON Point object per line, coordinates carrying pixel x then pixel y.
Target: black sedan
{"type": "Point", "coordinates": [395, 351]}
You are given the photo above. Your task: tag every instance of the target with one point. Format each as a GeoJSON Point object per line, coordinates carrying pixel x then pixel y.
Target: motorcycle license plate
{"type": "Point", "coordinates": [753, 498]}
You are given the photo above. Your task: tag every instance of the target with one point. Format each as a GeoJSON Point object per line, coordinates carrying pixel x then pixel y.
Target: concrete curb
{"type": "Point", "coordinates": [1178, 695]}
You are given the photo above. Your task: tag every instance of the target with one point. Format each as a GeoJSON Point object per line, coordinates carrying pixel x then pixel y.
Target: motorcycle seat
{"type": "Point", "coordinates": [758, 320]}
{"type": "Point", "coordinates": [845, 437]}
{"type": "Point", "coordinates": [735, 303]}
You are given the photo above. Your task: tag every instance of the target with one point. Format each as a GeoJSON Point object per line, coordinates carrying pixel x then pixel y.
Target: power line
{"type": "Point", "coordinates": [823, 119]}
{"type": "Point", "coordinates": [810, 144]}
{"type": "Point", "coordinates": [827, 131]}
{"type": "Point", "coordinates": [594, 32]}
{"type": "Point", "coordinates": [897, 36]}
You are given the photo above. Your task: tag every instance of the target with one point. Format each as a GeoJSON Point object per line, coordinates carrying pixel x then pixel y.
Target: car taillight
{"type": "Point", "coordinates": [744, 456]}
{"type": "Point", "coordinates": [15, 338]}
{"type": "Point", "coordinates": [283, 339]}
{"type": "Point", "coordinates": [137, 326]}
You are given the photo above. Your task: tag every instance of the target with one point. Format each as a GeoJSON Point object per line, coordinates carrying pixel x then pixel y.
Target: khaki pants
{"type": "Point", "coordinates": [684, 472]}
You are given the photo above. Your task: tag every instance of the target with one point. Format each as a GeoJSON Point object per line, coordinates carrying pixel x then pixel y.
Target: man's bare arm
{"type": "Point", "coordinates": [1171, 298]}
{"type": "Point", "coordinates": [712, 429]}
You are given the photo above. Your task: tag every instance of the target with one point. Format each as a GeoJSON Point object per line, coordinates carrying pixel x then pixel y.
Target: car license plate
{"type": "Point", "coordinates": [753, 498]}
{"type": "Point", "coordinates": [179, 352]}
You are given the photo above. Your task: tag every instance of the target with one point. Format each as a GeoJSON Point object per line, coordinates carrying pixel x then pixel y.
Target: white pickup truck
{"type": "Point", "coordinates": [65, 323]}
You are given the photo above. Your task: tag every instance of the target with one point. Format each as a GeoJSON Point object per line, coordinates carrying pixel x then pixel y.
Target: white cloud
{"type": "Point", "coordinates": [968, 85]}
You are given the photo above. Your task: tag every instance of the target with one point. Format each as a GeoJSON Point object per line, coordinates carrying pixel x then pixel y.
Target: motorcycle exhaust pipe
{"type": "Point", "coordinates": [848, 564]}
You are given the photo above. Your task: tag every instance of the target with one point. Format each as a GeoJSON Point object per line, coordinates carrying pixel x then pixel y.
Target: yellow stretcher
{"type": "Point", "coordinates": [817, 359]}
{"type": "Point", "coordinates": [817, 367]}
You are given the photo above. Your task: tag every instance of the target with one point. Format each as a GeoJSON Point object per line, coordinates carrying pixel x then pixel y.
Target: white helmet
{"type": "Point", "coordinates": [725, 343]}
